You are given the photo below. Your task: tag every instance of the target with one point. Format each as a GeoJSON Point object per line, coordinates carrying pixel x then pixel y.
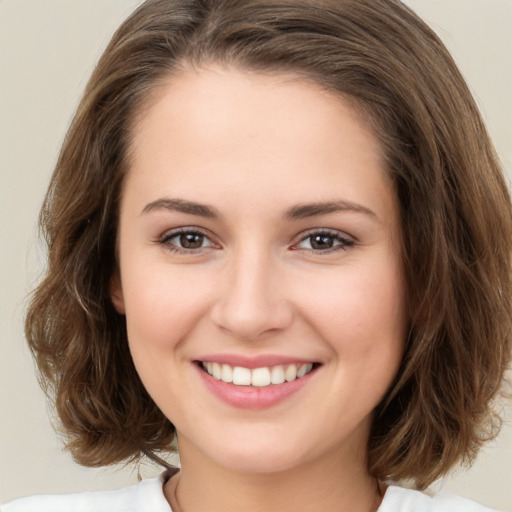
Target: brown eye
{"type": "Point", "coordinates": [324, 242]}
{"type": "Point", "coordinates": [186, 241]}
{"type": "Point", "coordinates": [321, 242]}
{"type": "Point", "coordinates": [191, 240]}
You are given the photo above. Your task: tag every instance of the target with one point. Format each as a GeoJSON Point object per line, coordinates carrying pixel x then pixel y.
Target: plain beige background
{"type": "Point", "coordinates": [47, 51]}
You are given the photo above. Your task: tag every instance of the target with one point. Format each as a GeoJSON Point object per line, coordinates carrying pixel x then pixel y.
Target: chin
{"type": "Point", "coordinates": [258, 463]}
{"type": "Point", "coordinates": [264, 455]}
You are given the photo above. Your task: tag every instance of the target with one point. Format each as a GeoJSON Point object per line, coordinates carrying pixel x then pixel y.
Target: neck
{"type": "Point", "coordinates": [322, 484]}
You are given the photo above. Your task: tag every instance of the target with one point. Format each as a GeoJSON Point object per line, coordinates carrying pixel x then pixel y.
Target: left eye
{"type": "Point", "coordinates": [323, 242]}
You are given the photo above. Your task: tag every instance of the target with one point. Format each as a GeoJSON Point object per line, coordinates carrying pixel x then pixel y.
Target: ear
{"type": "Point", "coordinates": [116, 293]}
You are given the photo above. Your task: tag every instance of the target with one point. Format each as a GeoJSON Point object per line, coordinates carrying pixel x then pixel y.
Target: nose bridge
{"type": "Point", "coordinates": [252, 301]}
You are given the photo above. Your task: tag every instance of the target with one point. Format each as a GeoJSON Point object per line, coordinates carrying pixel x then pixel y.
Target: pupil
{"type": "Point", "coordinates": [321, 242]}
{"type": "Point", "coordinates": [191, 241]}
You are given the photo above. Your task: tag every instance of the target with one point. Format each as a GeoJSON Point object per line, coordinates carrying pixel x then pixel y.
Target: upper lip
{"type": "Point", "coordinates": [252, 362]}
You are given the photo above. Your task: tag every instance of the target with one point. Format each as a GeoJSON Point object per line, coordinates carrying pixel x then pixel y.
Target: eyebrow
{"type": "Point", "coordinates": [303, 211]}
{"type": "Point", "coordinates": [182, 206]}
{"type": "Point", "coordinates": [297, 212]}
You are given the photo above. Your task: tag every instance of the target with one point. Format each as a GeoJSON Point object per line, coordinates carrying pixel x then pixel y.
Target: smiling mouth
{"type": "Point", "coordinates": [257, 377]}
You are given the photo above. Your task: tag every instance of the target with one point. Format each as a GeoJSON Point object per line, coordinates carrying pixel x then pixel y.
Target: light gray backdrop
{"type": "Point", "coordinates": [47, 51]}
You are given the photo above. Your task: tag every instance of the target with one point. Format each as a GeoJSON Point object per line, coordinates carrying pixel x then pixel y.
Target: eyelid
{"type": "Point", "coordinates": [345, 240]}
{"type": "Point", "coordinates": [164, 239]}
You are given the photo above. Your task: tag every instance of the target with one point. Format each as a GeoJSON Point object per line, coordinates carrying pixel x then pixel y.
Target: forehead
{"type": "Point", "coordinates": [216, 129]}
{"type": "Point", "coordinates": [206, 104]}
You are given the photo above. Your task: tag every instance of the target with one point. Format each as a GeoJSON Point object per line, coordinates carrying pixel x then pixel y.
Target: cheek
{"type": "Point", "coordinates": [364, 302]}
{"type": "Point", "coordinates": [361, 314]}
{"type": "Point", "coordinates": [163, 304]}
{"type": "Point", "coordinates": [163, 307]}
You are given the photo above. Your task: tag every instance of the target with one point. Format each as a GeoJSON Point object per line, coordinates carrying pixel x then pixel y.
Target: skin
{"type": "Point", "coordinates": [252, 147]}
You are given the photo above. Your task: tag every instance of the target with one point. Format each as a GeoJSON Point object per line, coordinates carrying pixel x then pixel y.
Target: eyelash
{"type": "Point", "coordinates": [344, 242]}
{"type": "Point", "coordinates": [165, 240]}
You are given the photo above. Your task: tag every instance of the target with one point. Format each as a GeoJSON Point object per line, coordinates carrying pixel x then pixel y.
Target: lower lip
{"type": "Point", "coordinates": [250, 397]}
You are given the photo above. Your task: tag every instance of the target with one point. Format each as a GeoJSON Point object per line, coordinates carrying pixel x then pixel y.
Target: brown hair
{"type": "Point", "coordinates": [455, 210]}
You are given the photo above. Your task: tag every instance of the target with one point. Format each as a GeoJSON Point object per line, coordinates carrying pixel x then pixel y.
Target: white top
{"type": "Point", "coordinates": [148, 496]}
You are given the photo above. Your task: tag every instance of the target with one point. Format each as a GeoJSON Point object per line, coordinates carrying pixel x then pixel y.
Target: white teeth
{"type": "Point", "coordinates": [303, 369]}
{"type": "Point", "coordinates": [290, 373]}
{"type": "Point", "coordinates": [216, 369]}
{"type": "Point", "coordinates": [227, 373]}
{"type": "Point", "coordinates": [258, 377]}
{"type": "Point", "coordinates": [242, 376]}
{"type": "Point", "coordinates": [277, 375]}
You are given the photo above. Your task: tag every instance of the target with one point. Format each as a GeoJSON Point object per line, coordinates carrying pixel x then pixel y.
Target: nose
{"type": "Point", "coordinates": [252, 301]}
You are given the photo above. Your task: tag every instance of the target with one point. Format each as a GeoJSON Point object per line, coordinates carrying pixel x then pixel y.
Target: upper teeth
{"type": "Point", "coordinates": [258, 377]}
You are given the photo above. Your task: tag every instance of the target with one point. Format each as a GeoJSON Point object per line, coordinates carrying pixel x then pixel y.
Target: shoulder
{"type": "Point", "coordinates": [398, 499]}
{"type": "Point", "coordinates": [145, 496]}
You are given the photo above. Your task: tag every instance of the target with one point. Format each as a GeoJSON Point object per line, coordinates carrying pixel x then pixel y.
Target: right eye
{"type": "Point", "coordinates": [186, 241]}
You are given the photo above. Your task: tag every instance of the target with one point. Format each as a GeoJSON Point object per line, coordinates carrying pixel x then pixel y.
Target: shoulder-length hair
{"type": "Point", "coordinates": [454, 205]}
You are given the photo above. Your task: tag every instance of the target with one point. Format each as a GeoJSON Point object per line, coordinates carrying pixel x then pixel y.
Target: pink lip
{"type": "Point", "coordinates": [248, 397]}
{"type": "Point", "coordinates": [259, 361]}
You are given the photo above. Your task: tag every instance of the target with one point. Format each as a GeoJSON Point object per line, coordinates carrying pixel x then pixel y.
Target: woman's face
{"type": "Point", "coordinates": [259, 236]}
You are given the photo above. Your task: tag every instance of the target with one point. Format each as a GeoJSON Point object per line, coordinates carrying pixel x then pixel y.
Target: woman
{"type": "Point", "coordinates": [279, 232]}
